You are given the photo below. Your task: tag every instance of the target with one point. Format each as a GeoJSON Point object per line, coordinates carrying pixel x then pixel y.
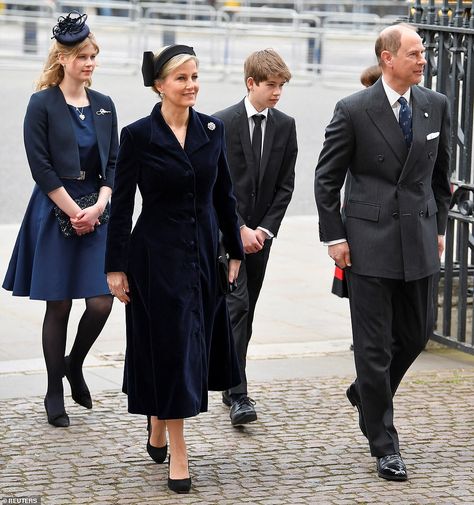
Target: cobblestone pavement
{"type": "Point", "coordinates": [304, 449]}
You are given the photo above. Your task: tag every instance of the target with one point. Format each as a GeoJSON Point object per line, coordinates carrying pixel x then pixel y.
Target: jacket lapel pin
{"type": "Point", "coordinates": [426, 114]}
{"type": "Point", "coordinates": [102, 112]}
{"type": "Point", "coordinates": [211, 126]}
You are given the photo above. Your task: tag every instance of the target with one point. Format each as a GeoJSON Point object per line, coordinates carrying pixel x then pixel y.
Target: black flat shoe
{"type": "Point", "coordinates": [79, 390]}
{"type": "Point", "coordinates": [392, 467]}
{"type": "Point", "coordinates": [180, 486]}
{"type": "Point", "coordinates": [60, 420]}
{"type": "Point", "coordinates": [353, 397]}
{"type": "Point", "coordinates": [157, 454]}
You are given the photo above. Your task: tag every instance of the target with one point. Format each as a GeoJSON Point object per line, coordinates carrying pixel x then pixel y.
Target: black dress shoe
{"type": "Point", "coordinates": [60, 419]}
{"type": "Point", "coordinates": [79, 390]}
{"type": "Point", "coordinates": [226, 399]}
{"type": "Point", "coordinates": [180, 486]}
{"type": "Point", "coordinates": [157, 454]}
{"type": "Point", "coordinates": [242, 411]}
{"type": "Point", "coordinates": [353, 397]}
{"type": "Point", "coordinates": [392, 467]}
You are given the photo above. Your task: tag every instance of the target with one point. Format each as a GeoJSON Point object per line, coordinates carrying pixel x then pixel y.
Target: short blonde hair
{"type": "Point", "coordinates": [53, 72]}
{"type": "Point", "coordinates": [171, 64]}
{"type": "Point", "coordinates": [261, 65]}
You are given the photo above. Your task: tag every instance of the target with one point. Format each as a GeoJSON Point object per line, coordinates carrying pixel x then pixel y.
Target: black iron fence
{"type": "Point", "coordinates": [448, 32]}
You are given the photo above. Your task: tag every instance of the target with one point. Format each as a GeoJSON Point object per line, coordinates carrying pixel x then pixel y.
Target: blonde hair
{"type": "Point", "coordinates": [261, 65]}
{"type": "Point", "coordinates": [53, 71]}
{"type": "Point", "coordinates": [170, 65]}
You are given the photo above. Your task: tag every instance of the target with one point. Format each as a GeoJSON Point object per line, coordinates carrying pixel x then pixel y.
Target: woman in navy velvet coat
{"type": "Point", "coordinates": [179, 343]}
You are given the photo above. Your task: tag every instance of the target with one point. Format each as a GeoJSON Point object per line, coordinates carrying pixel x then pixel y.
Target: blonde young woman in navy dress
{"type": "Point", "coordinates": [70, 134]}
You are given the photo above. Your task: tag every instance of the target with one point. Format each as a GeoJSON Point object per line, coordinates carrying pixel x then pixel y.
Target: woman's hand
{"type": "Point", "coordinates": [118, 285]}
{"type": "Point", "coordinates": [86, 219]}
{"type": "Point", "coordinates": [234, 266]}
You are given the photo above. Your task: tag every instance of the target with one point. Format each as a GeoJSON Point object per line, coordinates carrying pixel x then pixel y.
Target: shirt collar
{"type": "Point", "coordinates": [251, 110]}
{"type": "Point", "coordinates": [393, 96]}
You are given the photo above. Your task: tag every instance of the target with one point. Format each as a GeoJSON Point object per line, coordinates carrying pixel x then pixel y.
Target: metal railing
{"type": "Point", "coordinates": [448, 32]}
{"type": "Point", "coordinates": [223, 32]}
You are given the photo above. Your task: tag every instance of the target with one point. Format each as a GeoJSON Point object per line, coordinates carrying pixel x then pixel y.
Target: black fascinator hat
{"type": "Point", "coordinates": [151, 68]}
{"type": "Point", "coordinates": [71, 29]}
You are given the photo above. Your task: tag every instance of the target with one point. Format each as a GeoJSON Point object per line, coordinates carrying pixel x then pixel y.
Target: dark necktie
{"type": "Point", "coordinates": [404, 120]}
{"type": "Point", "coordinates": [257, 139]}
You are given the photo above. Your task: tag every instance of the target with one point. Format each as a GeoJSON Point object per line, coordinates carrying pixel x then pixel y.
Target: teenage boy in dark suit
{"type": "Point", "coordinates": [261, 150]}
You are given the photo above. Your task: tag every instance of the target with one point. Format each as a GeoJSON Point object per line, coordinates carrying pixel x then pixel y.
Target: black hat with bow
{"type": "Point", "coordinates": [71, 29]}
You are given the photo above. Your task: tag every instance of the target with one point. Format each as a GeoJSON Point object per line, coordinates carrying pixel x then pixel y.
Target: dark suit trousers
{"type": "Point", "coordinates": [392, 321]}
{"type": "Point", "coordinates": [241, 304]}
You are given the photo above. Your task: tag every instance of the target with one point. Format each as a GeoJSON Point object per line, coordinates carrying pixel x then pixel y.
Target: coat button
{"type": "Point", "coordinates": [190, 195]}
{"type": "Point", "coordinates": [192, 220]}
{"type": "Point", "coordinates": [380, 157]}
{"type": "Point", "coordinates": [395, 215]}
{"type": "Point", "coordinates": [252, 195]}
{"type": "Point", "coordinates": [421, 213]}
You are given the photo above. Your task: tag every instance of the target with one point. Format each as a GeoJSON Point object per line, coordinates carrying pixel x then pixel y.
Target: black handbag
{"type": "Point", "coordinates": [225, 287]}
{"type": "Point", "coordinates": [85, 201]}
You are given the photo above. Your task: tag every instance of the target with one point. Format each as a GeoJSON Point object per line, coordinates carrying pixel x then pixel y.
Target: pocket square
{"type": "Point", "coordinates": [432, 136]}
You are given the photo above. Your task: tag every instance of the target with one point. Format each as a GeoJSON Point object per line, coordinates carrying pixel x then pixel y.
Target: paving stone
{"type": "Point", "coordinates": [305, 449]}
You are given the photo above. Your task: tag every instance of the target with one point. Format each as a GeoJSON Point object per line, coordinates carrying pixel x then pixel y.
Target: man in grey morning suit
{"type": "Point", "coordinates": [392, 141]}
{"type": "Point", "coordinates": [261, 150]}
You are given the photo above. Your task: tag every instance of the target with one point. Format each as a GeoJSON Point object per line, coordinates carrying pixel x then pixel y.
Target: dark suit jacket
{"type": "Point", "coordinates": [396, 201]}
{"type": "Point", "coordinates": [51, 145]}
{"type": "Point", "coordinates": [263, 205]}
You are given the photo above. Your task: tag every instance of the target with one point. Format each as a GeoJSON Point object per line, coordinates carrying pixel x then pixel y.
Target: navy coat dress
{"type": "Point", "coordinates": [179, 342]}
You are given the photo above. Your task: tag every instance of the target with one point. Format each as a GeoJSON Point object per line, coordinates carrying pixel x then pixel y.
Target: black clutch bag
{"type": "Point", "coordinates": [225, 287]}
{"type": "Point", "coordinates": [84, 201]}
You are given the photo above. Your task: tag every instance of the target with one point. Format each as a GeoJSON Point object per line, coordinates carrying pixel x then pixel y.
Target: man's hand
{"type": "Point", "coordinates": [252, 240]}
{"type": "Point", "coordinates": [340, 254]}
{"type": "Point", "coordinates": [440, 245]}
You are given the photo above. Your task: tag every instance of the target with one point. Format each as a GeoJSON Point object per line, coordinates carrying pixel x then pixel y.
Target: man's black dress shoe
{"type": "Point", "coordinates": [79, 390]}
{"type": "Point", "coordinates": [60, 420]}
{"type": "Point", "coordinates": [242, 411]}
{"type": "Point", "coordinates": [353, 397]}
{"type": "Point", "coordinates": [180, 486]}
{"type": "Point", "coordinates": [392, 467]}
{"type": "Point", "coordinates": [226, 399]}
{"type": "Point", "coordinates": [157, 454]}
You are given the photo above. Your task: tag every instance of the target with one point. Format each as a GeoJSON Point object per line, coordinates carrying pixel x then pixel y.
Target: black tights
{"type": "Point", "coordinates": [54, 341]}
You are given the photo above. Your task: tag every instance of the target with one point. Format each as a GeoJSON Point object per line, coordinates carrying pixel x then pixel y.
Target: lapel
{"type": "Point", "coordinates": [103, 126]}
{"type": "Point", "coordinates": [382, 115]}
{"type": "Point", "coordinates": [63, 121]}
{"type": "Point", "coordinates": [421, 114]}
{"type": "Point", "coordinates": [241, 124]}
{"type": "Point", "coordinates": [270, 129]}
{"type": "Point", "coordinates": [163, 136]}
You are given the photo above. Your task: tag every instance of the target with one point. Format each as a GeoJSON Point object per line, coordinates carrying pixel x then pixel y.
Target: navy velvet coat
{"type": "Point", "coordinates": [179, 342]}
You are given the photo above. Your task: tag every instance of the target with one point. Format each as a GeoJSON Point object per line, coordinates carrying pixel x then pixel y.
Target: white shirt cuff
{"type": "Point", "coordinates": [334, 242]}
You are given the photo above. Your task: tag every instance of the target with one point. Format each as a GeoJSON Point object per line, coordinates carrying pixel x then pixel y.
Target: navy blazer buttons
{"type": "Point", "coordinates": [380, 157]}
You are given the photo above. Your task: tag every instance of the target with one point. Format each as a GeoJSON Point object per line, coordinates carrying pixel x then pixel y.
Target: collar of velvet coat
{"type": "Point", "coordinates": [162, 135]}
{"type": "Point", "coordinates": [381, 113]}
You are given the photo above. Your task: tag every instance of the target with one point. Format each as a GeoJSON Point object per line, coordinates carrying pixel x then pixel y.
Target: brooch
{"type": "Point", "coordinates": [211, 126]}
{"type": "Point", "coordinates": [101, 112]}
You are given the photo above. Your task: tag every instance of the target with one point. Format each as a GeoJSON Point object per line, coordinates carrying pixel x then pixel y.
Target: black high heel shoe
{"type": "Point", "coordinates": [157, 454]}
{"type": "Point", "coordinates": [79, 392]}
{"type": "Point", "coordinates": [60, 420]}
{"type": "Point", "coordinates": [180, 486]}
